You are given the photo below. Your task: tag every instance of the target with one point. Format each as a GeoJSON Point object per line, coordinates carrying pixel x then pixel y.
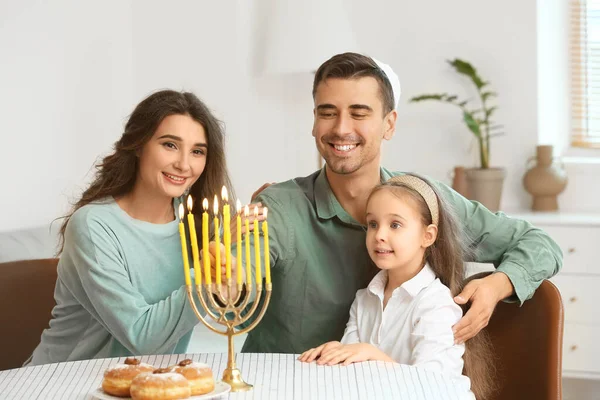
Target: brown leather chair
{"type": "Point", "coordinates": [527, 344]}
{"type": "Point", "coordinates": [26, 302]}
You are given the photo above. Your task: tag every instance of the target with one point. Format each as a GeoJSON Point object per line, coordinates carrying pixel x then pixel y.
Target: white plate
{"type": "Point", "coordinates": [220, 389]}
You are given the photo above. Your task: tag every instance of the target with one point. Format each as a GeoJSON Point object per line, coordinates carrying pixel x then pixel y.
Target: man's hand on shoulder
{"type": "Point", "coordinates": [260, 189]}
{"type": "Point", "coordinates": [483, 294]}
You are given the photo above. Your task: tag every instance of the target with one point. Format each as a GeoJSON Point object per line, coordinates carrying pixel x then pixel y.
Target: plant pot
{"type": "Point", "coordinates": [459, 181]}
{"type": "Point", "coordinates": [485, 186]}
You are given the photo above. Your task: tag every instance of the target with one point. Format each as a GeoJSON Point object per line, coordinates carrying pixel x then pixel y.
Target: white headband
{"type": "Point", "coordinates": [393, 78]}
{"type": "Point", "coordinates": [426, 192]}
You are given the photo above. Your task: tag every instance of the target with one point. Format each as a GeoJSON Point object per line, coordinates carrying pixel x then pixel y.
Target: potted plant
{"type": "Point", "coordinates": [485, 182]}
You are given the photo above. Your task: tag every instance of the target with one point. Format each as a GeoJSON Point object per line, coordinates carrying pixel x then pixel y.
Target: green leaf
{"type": "Point", "coordinates": [487, 95]}
{"type": "Point", "coordinates": [472, 124]}
{"type": "Point", "coordinates": [465, 68]}
{"type": "Point", "coordinates": [490, 111]}
{"type": "Point", "coordinates": [425, 97]}
{"type": "Point", "coordinates": [444, 97]}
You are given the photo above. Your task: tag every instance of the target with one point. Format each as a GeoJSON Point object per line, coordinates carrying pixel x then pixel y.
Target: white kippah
{"type": "Point", "coordinates": [393, 78]}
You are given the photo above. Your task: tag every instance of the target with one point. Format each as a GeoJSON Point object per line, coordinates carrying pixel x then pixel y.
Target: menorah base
{"type": "Point", "coordinates": [230, 315]}
{"type": "Point", "coordinates": [233, 377]}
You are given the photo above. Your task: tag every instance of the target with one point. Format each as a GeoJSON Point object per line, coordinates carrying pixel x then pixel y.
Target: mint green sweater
{"type": "Point", "coordinates": [120, 289]}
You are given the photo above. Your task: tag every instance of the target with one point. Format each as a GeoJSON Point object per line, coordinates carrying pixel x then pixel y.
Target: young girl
{"type": "Point", "coordinates": [120, 276]}
{"type": "Point", "coordinates": [406, 313]}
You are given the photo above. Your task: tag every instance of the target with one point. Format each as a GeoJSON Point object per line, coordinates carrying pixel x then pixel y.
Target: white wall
{"type": "Point", "coordinates": [213, 49]}
{"type": "Point", "coordinates": [65, 79]}
{"type": "Point", "coordinates": [89, 63]}
{"type": "Point", "coordinates": [498, 38]}
{"type": "Point", "coordinates": [416, 38]}
{"type": "Point", "coordinates": [553, 76]}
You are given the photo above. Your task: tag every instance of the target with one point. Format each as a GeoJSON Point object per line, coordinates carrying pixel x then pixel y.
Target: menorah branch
{"type": "Point", "coordinates": [210, 294]}
{"type": "Point", "coordinates": [190, 294]}
{"type": "Point", "coordinates": [224, 305]}
{"type": "Point", "coordinates": [268, 292]}
{"type": "Point", "coordinates": [247, 297]}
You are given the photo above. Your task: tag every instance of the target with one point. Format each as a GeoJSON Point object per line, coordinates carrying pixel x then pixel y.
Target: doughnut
{"type": "Point", "coordinates": [199, 376]}
{"type": "Point", "coordinates": [160, 385]}
{"type": "Point", "coordinates": [117, 379]}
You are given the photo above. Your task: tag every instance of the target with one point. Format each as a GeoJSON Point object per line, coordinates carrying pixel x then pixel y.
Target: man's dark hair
{"type": "Point", "coordinates": [354, 66]}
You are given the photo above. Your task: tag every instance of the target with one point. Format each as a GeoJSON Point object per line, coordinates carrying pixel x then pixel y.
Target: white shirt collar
{"type": "Point", "coordinates": [413, 286]}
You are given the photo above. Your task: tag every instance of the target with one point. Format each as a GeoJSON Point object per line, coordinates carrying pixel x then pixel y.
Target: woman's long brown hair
{"type": "Point", "coordinates": [116, 173]}
{"type": "Point", "coordinates": [446, 257]}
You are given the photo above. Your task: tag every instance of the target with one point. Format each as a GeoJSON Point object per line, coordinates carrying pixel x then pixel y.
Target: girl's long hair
{"type": "Point", "coordinates": [446, 257]}
{"type": "Point", "coordinates": [116, 173]}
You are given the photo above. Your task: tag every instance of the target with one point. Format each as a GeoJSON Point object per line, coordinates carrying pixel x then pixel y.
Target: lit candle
{"type": "Point", "coordinates": [248, 265]}
{"type": "Point", "coordinates": [226, 233]}
{"type": "Point", "coordinates": [205, 253]}
{"type": "Point", "coordinates": [184, 252]}
{"type": "Point", "coordinates": [257, 248]}
{"type": "Point", "coordinates": [238, 232]}
{"type": "Point", "coordinates": [265, 229]}
{"type": "Point", "coordinates": [218, 241]}
{"type": "Point", "coordinates": [194, 240]}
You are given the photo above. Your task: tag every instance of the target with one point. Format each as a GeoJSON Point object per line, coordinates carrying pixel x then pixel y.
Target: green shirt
{"type": "Point", "coordinates": [319, 260]}
{"type": "Point", "coordinates": [120, 289]}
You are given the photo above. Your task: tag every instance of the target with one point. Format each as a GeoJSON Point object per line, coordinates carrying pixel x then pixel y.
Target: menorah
{"type": "Point", "coordinates": [223, 302]}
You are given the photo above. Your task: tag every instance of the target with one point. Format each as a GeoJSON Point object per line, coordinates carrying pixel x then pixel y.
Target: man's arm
{"type": "Point", "coordinates": [527, 255]}
{"type": "Point", "coordinates": [523, 256]}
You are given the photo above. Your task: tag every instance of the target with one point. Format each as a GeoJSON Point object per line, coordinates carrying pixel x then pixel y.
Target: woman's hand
{"type": "Point", "coordinates": [212, 251]}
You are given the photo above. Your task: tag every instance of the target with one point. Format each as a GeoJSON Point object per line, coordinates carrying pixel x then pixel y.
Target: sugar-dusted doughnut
{"type": "Point", "coordinates": [199, 375]}
{"type": "Point", "coordinates": [160, 385]}
{"type": "Point", "coordinates": [117, 379]}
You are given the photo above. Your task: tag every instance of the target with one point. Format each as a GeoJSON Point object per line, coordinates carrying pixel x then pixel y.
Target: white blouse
{"type": "Point", "coordinates": [416, 326]}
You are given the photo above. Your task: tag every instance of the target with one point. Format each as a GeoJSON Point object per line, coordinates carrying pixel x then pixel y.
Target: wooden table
{"type": "Point", "coordinates": [274, 376]}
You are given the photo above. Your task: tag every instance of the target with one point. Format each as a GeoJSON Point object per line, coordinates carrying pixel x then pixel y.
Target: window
{"type": "Point", "coordinates": [585, 73]}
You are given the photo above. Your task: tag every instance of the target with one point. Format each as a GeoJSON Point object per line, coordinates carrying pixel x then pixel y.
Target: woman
{"type": "Point", "coordinates": [120, 276]}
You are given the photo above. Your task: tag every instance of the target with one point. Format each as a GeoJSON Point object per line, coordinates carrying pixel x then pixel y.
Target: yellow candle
{"type": "Point", "coordinates": [226, 233]}
{"type": "Point", "coordinates": [238, 233]}
{"type": "Point", "coordinates": [218, 241]}
{"type": "Point", "coordinates": [257, 248]}
{"type": "Point", "coordinates": [184, 252]}
{"type": "Point", "coordinates": [205, 253]}
{"type": "Point", "coordinates": [194, 240]}
{"type": "Point", "coordinates": [265, 229]}
{"type": "Point", "coordinates": [248, 265]}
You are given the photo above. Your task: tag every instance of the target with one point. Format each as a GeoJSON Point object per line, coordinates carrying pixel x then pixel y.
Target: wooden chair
{"type": "Point", "coordinates": [527, 344]}
{"type": "Point", "coordinates": [26, 302]}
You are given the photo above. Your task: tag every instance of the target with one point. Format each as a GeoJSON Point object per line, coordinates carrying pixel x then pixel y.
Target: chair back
{"type": "Point", "coordinates": [26, 302]}
{"type": "Point", "coordinates": [527, 343]}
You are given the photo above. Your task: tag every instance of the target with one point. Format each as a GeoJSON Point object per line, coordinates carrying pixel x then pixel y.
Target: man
{"type": "Point", "coordinates": [317, 223]}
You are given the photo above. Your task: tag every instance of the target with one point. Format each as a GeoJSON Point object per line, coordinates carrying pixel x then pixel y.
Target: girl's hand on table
{"type": "Point", "coordinates": [312, 354]}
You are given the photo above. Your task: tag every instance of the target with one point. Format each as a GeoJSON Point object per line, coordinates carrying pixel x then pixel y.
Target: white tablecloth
{"type": "Point", "coordinates": [274, 376]}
